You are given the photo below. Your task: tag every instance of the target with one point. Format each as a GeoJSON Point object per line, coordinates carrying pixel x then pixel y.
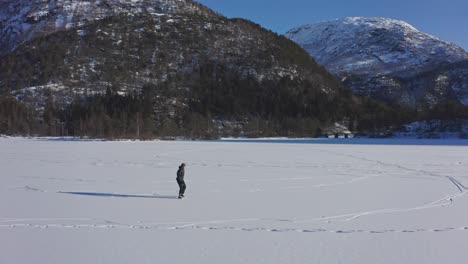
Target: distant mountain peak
{"type": "Point", "coordinates": [388, 59]}
{"type": "Point", "coordinates": [373, 45]}
{"type": "Point", "coordinates": [373, 22]}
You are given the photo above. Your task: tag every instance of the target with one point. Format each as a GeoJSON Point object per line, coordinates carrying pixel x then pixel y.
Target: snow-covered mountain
{"type": "Point", "coordinates": [188, 59]}
{"type": "Point", "coordinates": [175, 36]}
{"type": "Point", "coordinates": [373, 46]}
{"type": "Point", "coordinates": [24, 20]}
{"type": "Point", "coordinates": [381, 57]}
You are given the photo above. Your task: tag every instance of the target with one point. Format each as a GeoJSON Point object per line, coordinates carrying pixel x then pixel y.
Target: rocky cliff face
{"type": "Point", "coordinates": [387, 59]}
{"type": "Point", "coordinates": [421, 89]}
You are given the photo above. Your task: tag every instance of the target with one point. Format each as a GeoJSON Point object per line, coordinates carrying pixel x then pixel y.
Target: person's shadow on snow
{"type": "Point", "coordinates": [121, 195]}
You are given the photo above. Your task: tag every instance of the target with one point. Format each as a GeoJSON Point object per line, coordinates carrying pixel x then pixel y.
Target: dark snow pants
{"type": "Point", "coordinates": [182, 187]}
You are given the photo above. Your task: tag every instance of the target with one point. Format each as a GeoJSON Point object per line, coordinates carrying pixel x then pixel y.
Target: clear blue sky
{"type": "Point", "coordinates": [446, 19]}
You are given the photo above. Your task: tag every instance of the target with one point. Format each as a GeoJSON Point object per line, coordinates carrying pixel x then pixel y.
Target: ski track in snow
{"type": "Point", "coordinates": [199, 226]}
{"type": "Point", "coordinates": [218, 225]}
{"type": "Point", "coordinates": [445, 201]}
{"type": "Point", "coordinates": [448, 200]}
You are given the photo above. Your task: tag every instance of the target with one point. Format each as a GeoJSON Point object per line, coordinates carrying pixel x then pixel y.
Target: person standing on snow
{"type": "Point", "coordinates": [180, 180]}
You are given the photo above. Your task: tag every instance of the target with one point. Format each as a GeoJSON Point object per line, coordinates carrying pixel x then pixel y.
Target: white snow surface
{"type": "Point", "coordinates": [367, 202]}
{"type": "Point", "coordinates": [374, 46]}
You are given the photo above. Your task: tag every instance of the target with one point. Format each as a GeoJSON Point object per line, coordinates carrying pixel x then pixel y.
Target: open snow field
{"type": "Point", "coordinates": [75, 202]}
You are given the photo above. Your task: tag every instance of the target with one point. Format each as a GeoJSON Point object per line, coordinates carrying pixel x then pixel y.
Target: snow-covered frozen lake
{"type": "Point", "coordinates": [366, 202]}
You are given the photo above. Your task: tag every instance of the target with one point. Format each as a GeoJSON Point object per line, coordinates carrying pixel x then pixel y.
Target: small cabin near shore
{"type": "Point", "coordinates": [338, 131]}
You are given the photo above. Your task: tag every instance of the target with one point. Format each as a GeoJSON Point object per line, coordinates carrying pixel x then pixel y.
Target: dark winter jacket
{"type": "Point", "coordinates": [180, 173]}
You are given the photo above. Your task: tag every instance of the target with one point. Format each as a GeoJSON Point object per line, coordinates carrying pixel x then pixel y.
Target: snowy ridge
{"type": "Point", "coordinates": [23, 20]}
{"type": "Point", "coordinates": [373, 46]}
